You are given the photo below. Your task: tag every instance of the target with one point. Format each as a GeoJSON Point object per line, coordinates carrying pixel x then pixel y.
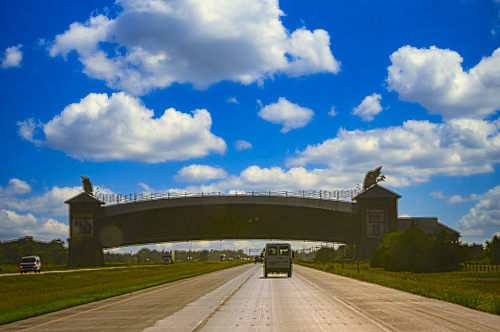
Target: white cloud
{"type": "Point", "coordinates": [404, 216]}
{"type": "Point", "coordinates": [14, 188]}
{"type": "Point", "coordinates": [456, 199]}
{"type": "Point", "coordinates": [50, 203]}
{"type": "Point", "coordinates": [411, 153]}
{"type": "Point", "coordinates": [232, 100]}
{"type": "Point", "coordinates": [296, 178]}
{"type": "Point", "coordinates": [332, 111]}
{"type": "Point", "coordinates": [285, 113]}
{"type": "Point", "coordinates": [450, 199]}
{"type": "Point", "coordinates": [438, 194]}
{"type": "Point", "coordinates": [241, 145]}
{"type": "Point", "coordinates": [158, 43]}
{"type": "Point", "coordinates": [82, 38]}
{"type": "Point", "coordinates": [369, 107]}
{"type": "Point", "coordinates": [200, 173]}
{"type": "Point", "coordinates": [486, 213]}
{"type": "Point", "coordinates": [255, 178]}
{"type": "Point", "coordinates": [122, 128]}
{"type": "Point", "coordinates": [12, 57]}
{"type": "Point", "coordinates": [435, 79]}
{"type": "Point", "coordinates": [13, 226]}
{"type": "Point", "coordinates": [472, 232]}
{"type": "Point", "coordinates": [145, 187]}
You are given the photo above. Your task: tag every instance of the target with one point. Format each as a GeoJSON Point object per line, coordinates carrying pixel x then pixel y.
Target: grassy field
{"type": "Point", "coordinates": [64, 267]}
{"type": "Point", "coordinates": [477, 290]}
{"type": "Point", "coordinates": [29, 295]}
{"type": "Point", "coordinates": [47, 267]}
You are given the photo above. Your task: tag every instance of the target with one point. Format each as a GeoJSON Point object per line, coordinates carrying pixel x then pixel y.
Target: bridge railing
{"type": "Point", "coordinates": [315, 194]}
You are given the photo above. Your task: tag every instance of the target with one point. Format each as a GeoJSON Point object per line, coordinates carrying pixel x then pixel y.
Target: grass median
{"type": "Point", "coordinates": [29, 295]}
{"type": "Point", "coordinates": [477, 290]}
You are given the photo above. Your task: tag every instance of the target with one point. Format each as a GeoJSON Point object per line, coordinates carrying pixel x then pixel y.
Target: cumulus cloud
{"type": "Point", "coordinates": [450, 199]}
{"type": "Point", "coordinates": [332, 112]}
{"type": "Point", "coordinates": [438, 194]}
{"type": "Point", "coordinates": [255, 178]}
{"type": "Point", "coordinates": [411, 153]}
{"type": "Point", "coordinates": [15, 187]}
{"type": "Point", "coordinates": [241, 145]}
{"type": "Point", "coordinates": [145, 187]}
{"type": "Point", "coordinates": [200, 173]}
{"type": "Point", "coordinates": [472, 232]}
{"type": "Point", "coordinates": [158, 43]}
{"type": "Point", "coordinates": [296, 178]}
{"type": "Point", "coordinates": [122, 128]}
{"type": "Point", "coordinates": [456, 199]}
{"type": "Point", "coordinates": [369, 107]}
{"type": "Point", "coordinates": [14, 225]}
{"type": "Point", "coordinates": [435, 79]}
{"type": "Point", "coordinates": [50, 203]}
{"type": "Point", "coordinates": [486, 213]}
{"type": "Point", "coordinates": [232, 100]}
{"type": "Point", "coordinates": [12, 57]}
{"type": "Point", "coordinates": [285, 113]}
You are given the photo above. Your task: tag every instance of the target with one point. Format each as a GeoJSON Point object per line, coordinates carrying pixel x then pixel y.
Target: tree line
{"type": "Point", "coordinates": [52, 252]}
{"type": "Point", "coordinates": [417, 251]}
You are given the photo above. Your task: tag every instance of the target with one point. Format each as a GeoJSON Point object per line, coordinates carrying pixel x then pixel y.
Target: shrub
{"type": "Point", "coordinates": [416, 251]}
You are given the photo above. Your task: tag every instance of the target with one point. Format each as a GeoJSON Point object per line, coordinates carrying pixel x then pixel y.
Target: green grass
{"type": "Point", "coordinates": [29, 295]}
{"type": "Point", "coordinates": [477, 290]}
{"type": "Point", "coordinates": [4, 268]}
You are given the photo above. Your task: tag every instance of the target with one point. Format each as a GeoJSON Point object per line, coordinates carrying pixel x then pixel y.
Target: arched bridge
{"type": "Point", "coordinates": [228, 218]}
{"type": "Point", "coordinates": [280, 216]}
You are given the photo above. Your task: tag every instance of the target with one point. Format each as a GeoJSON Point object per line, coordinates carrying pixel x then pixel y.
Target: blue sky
{"type": "Point", "coordinates": [159, 96]}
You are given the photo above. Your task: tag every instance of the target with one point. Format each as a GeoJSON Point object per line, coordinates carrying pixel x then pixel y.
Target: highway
{"type": "Point", "coordinates": [240, 299]}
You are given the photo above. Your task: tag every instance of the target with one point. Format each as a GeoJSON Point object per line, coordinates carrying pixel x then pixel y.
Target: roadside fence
{"type": "Point", "coordinates": [479, 267]}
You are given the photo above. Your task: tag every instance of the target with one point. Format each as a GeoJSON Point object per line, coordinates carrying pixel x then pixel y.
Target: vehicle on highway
{"type": "Point", "coordinates": [30, 263]}
{"type": "Point", "coordinates": [278, 259]}
{"type": "Point", "coordinates": [168, 256]}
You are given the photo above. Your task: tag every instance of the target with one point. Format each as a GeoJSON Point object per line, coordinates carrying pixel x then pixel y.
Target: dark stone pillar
{"type": "Point", "coordinates": [85, 249]}
{"type": "Point", "coordinates": [378, 212]}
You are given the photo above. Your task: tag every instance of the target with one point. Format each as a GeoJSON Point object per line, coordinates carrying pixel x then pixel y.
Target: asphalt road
{"type": "Point", "coordinates": [240, 299]}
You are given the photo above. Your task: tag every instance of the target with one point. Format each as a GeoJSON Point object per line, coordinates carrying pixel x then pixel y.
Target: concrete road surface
{"type": "Point", "coordinates": [240, 299]}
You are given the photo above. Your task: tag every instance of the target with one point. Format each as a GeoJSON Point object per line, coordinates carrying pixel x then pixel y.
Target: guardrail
{"type": "Point", "coordinates": [321, 194]}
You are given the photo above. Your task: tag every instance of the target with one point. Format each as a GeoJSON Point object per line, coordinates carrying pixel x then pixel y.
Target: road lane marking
{"type": "Point", "coordinates": [376, 322]}
{"type": "Point", "coordinates": [204, 321]}
{"type": "Point", "coordinates": [130, 298]}
{"type": "Point", "coordinates": [417, 305]}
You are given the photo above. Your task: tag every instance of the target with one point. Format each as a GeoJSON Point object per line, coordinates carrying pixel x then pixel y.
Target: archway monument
{"type": "Point", "coordinates": [321, 216]}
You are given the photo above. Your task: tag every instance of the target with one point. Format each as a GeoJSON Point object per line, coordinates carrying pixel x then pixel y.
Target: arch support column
{"type": "Point", "coordinates": [85, 248]}
{"type": "Point", "coordinates": [378, 213]}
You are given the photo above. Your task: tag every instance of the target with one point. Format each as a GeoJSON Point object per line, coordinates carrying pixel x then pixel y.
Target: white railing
{"type": "Point", "coordinates": [321, 194]}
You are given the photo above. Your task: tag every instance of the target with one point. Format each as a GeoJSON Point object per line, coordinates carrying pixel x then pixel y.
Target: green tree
{"type": "Point", "coordinates": [444, 254]}
{"type": "Point", "coordinates": [416, 251]}
{"type": "Point", "coordinates": [325, 254]}
{"type": "Point", "coordinates": [492, 250]}
{"type": "Point", "coordinates": [385, 251]}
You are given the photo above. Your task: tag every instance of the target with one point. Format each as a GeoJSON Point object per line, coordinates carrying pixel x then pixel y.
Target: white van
{"type": "Point", "coordinates": [30, 263]}
{"type": "Point", "coordinates": [278, 259]}
{"type": "Point", "coordinates": [168, 256]}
